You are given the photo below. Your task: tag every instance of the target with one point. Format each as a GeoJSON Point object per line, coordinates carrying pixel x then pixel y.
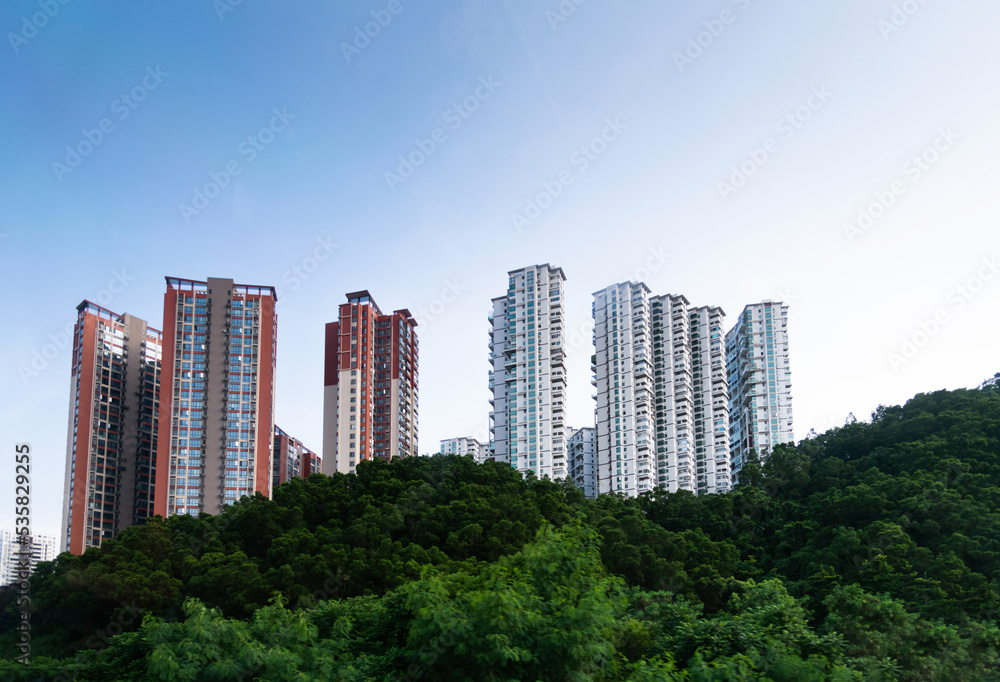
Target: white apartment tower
{"type": "Point", "coordinates": [760, 382]}
{"type": "Point", "coordinates": [711, 401]}
{"type": "Point", "coordinates": [662, 398]}
{"type": "Point", "coordinates": [623, 375]}
{"type": "Point", "coordinates": [582, 449]}
{"type": "Point", "coordinates": [465, 446]}
{"type": "Point", "coordinates": [18, 560]}
{"type": "Point", "coordinates": [528, 379]}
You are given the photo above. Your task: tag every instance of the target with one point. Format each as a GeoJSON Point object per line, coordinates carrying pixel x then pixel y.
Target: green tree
{"type": "Point", "coordinates": [548, 612]}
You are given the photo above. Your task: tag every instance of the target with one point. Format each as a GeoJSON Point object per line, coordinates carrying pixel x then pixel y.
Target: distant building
{"type": "Point", "coordinates": [527, 376]}
{"type": "Point", "coordinates": [292, 459]}
{"type": "Point", "coordinates": [312, 463]}
{"type": "Point", "coordinates": [760, 382]}
{"type": "Point", "coordinates": [112, 441]}
{"type": "Point", "coordinates": [662, 400]}
{"type": "Point", "coordinates": [216, 421]}
{"type": "Point", "coordinates": [583, 460]}
{"type": "Point", "coordinates": [370, 406]}
{"type": "Point", "coordinates": [41, 548]}
{"type": "Point", "coordinates": [465, 446]}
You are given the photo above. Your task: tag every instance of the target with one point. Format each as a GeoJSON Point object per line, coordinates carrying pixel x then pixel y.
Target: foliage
{"type": "Point", "coordinates": [549, 612]}
{"type": "Point", "coordinates": [869, 552]}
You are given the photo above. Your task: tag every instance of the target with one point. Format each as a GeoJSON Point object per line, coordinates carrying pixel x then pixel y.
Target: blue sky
{"type": "Point", "coordinates": [823, 105]}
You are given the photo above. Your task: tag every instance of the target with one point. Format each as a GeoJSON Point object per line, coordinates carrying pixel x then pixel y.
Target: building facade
{"type": "Point", "coordinates": [528, 377]}
{"type": "Point", "coordinates": [623, 376]}
{"type": "Point", "coordinates": [711, 401]}
{"type": "Point", "coordinates": [760, 382]}
{"type": "Point", "coordinates": [465, 446]}
{"type": "Point", "coordinates": [662, 398]}
{"type": "Point", "coordinates": [40, 547]}
{"type": "Point", "coordinates": [312, 463]}
{"type": "Point", "coordinates": [292, 459]}
{"type": "Point", "coordinates": [582, 449]}
{"type": "Point", "coordinates": [370, 405]}
{"type": "Point", "coordinates": [216, 418]}
{"type": "Point", "coordinates": [112, 441]}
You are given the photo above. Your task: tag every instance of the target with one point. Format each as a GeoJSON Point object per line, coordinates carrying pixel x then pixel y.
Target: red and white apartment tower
{"type": "Point", "coordinates": [370, 385]}
{"type": "Point", "coordinates": [216, 421]}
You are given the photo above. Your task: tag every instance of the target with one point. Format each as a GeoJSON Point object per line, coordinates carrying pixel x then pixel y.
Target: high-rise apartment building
{"type": "Point", "coordinates": [370, 385]}
{"type": "Point", "coordinates": [582, 449]}
{"type": "Point", "coordinates": [711, 400]}
{"type": "Point", "coordinates": [760, 382]}
{"type": "Point", "coordinates": [292, 459]}
{"type": "Point", "coordinates": [623, 376]}
{"type": "Point", "coordinates": [528, 379]}
{"type": "Point", "coordinates": [689, 359]}
{"type": "Point", "coordinates": [216, 420]}
{"type": "Point", "coordinates": [112, 440]}
{"type": "Point", "coordinates": [662, 400]}
{"type": "Point", "coordinates": [15, 556]}
{"type": "Point", "coordinates": [465, 446]}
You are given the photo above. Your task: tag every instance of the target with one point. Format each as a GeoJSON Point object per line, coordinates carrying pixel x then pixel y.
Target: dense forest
{"type": "Point", "coordinates": [870, 552]}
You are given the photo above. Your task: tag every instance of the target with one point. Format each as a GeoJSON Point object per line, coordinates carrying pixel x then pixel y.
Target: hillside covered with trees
{"type": "Point", "coordinates": [871, 552]}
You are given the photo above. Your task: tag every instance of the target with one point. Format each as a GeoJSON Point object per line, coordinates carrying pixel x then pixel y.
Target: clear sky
{"type": "Point", "coordinates": [840, 156]}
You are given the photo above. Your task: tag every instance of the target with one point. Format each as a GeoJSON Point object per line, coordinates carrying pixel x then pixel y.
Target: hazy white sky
{"type": "Point", "coordinates": [841, 157]}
